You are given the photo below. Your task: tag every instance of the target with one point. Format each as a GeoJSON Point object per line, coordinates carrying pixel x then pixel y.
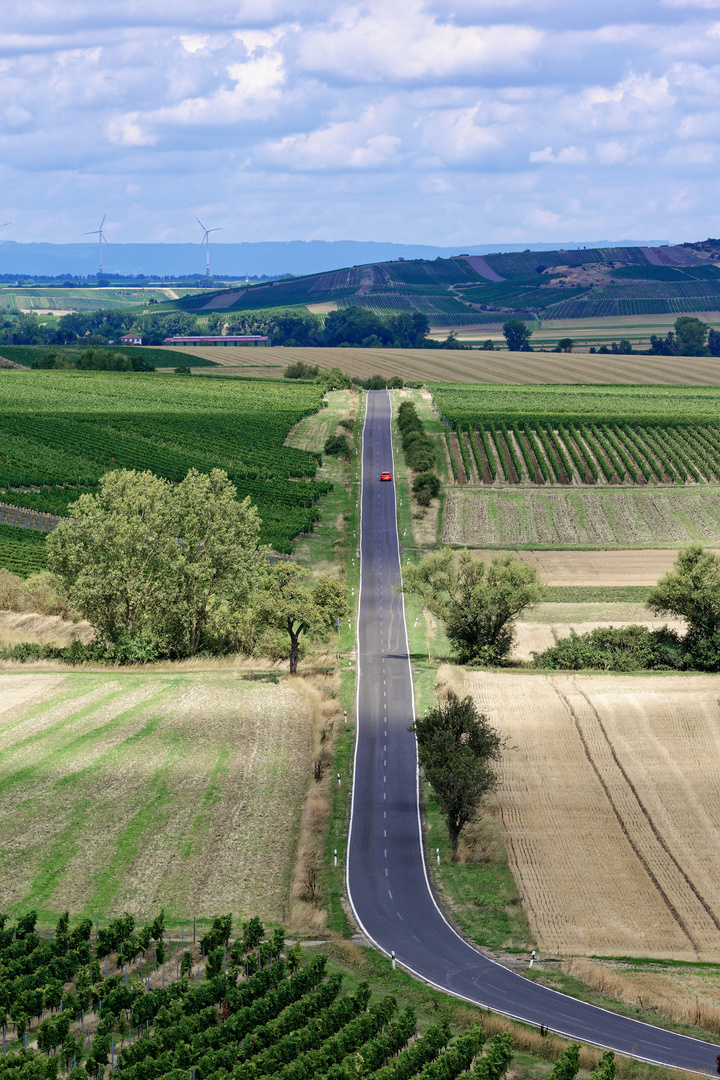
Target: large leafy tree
{"type": "Point", "coordinates": [517, 334]}
{"type": "Point", "coordinates": [456, 745]}
{"type": "Point", "coordinates": [291, 604]}
{"type": "Point", "coordinates": [691, 591]}
{"type": "Point", "coordinates": [170, 563]}
{"type": "Point", "coordinates": [477, 602]}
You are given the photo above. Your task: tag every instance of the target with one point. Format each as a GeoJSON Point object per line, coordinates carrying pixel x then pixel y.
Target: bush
{"type": "Point", "coordinates": [337, 446]}
{"type": "Point", "coordinates": [395, 383]}
{"type": "Point", "coordinates": [301, 370]}
{"type": "Point", "coordinates": [426, 486]}
{"type": "Point", "coordinates": [630, 648]}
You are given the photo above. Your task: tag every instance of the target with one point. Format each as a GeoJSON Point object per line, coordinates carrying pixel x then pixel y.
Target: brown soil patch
{"type": "Point", "coordinates": [610, 801]}
{"type": "Point", "coordinates": [457, 458]}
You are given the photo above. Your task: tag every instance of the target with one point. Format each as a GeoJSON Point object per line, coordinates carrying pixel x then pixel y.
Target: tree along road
{"type": "Point", "coordinates": [386, 875]}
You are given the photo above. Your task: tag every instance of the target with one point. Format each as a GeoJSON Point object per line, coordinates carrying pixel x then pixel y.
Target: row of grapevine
{"type": "Point", "coordinates": [250, 1008]}
{"type": "Point", "coordinates": [581, 453]}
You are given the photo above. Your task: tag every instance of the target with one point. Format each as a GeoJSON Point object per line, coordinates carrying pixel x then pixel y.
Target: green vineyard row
{"type": "Point", "coordinates": [245, 1008]}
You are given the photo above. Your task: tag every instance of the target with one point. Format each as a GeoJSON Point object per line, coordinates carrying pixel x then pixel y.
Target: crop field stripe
{"type": "Point", "coordinates": [621, 821]}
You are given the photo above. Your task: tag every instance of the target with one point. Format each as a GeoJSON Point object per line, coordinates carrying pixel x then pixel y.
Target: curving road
{"type": "Point", "coordinates": [386, 876]}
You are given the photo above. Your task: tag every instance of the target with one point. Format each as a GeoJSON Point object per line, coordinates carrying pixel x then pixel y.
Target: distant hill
{"type": "Point", "coordinates": [270, 259]}
{"type": "Point", "coordinates": [477, 290]}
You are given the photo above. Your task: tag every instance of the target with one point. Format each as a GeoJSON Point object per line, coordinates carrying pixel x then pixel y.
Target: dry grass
{"type": "Point", "coordinates": [610, 801]}
{"type": "Point", "coordinates": [307, 916]}
{"type": "Point", "coordinates": [685, 995]}
{"type": "Point", "coordinates": [583, 517]}
{"type": "Point", "coordinates": [16, 627]}
{"type": "Point", "coordinates": [132, 791]}
{"type": "Point", "coordinates": [440, 365]}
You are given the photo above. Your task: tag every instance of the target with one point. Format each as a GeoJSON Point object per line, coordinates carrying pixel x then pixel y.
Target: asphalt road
{"type": "Point", "coordinates": [386, 876]}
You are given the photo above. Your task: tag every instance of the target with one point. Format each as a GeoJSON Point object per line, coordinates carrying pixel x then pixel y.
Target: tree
{"type": "Point", "coordinates": [288, 604]}
{"type": "Point", "coordinates": [145, 559]}
{"type": "Point", "coordinates": [456, 744]}
{"type": "Point", "coordinates": [714, 342]}
{"type": "Point", "coordinates": [565, 344]}
{"type": "Point", "coordinates": [691, 591]}
{"type": "Point", "coordinates": [477, 602]}
{"type": "Point", "coordinates": [691, 334]}
{"type": "Point", "coordinates": [517, 334]}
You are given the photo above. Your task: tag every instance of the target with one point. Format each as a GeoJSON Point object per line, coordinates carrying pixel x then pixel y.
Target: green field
{"type": "Point", "coordinates": [159, 358]}
{"type": "Point", "coordinates": [61, 431]}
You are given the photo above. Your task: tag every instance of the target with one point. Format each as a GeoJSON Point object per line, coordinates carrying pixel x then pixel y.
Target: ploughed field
{"type": "Point", "coordinates": [610, 804]}
{"type": "Point", "coordinates": [60, 431]}
{"type": "Point", "coordinates": [133, 791]}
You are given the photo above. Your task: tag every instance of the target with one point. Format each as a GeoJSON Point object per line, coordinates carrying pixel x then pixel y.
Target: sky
{"type": "Point", "coordinates": [391, 120]}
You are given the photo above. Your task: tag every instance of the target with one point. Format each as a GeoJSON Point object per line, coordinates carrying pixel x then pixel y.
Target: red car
{"type": "Point", "coordinates": [386, 476]}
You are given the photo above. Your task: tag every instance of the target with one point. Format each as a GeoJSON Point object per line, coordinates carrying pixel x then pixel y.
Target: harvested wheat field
{"type": "Point", "coordinates": [640, 517]}
{"type": "Point", "coordinates": [452, 365]}
{"type": "Point", "coordinates": [133, 791]}
{"type": "Point", "coordinates": [610, 803]}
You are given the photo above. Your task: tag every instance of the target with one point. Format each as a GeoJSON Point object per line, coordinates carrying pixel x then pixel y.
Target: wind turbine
{"type": "Point", "coordinates": [101, 239]}
{"type": "Point", "coordinates": [5, 224]}
{"type": "Point", "coordinates": [206, 241]}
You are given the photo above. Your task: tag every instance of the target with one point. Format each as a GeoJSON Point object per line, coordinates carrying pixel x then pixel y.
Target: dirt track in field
{"type": "Point", "coordinates": [610, 802]}
{"type": "Point", "coordinates": [130, 792]}
{"type": "Point", "coordinates": [640, 517]}
{"type": "Point", "coordinates": [450, 365]}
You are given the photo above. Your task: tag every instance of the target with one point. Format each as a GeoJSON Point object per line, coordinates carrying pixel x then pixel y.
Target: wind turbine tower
{"type": "Point", "coordinates": [101, 240]}
{"type": "Point", "coordinates": [206, 241]}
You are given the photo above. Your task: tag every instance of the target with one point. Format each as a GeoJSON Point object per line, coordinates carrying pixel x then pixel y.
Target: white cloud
{"type": "Point", "coordinates": [335, 117]}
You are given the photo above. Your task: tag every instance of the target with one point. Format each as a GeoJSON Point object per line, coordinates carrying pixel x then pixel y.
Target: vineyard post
{"type": "Point", "coordinates": [193, 934]}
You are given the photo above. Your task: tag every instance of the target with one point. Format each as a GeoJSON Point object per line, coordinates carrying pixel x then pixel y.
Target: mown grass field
{"type": "Point", "coordinates": [132, 791]}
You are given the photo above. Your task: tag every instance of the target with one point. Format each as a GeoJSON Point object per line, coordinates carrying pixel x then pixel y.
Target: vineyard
{"type": "Point", "coordinates": [148, 1006]}
{"type": "Point", "coordinates": [159, 358]}
{"type": "Point", "coordinates": [467, 290]}
{"type": "Point", "coordinates": [61, 431]}
{"type": "Point", "coordinates": [583, 435]}
{"type": "Point", "coordinates": [22, 550]}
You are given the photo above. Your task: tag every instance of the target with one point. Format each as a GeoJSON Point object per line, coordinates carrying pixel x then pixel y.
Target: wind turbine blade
{"type": "Point", "coordinates": [102, 222]}
{"type": "Point", "coordinates": [200, 223]}
{"type": "Point", "coordinates": [5, 224]}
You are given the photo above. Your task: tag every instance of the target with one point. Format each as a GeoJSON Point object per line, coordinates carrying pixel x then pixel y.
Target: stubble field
{"type": "Point", "coordinates": [610, 802]}
{"type": "Point", "coordinates": [133, 791]}
{"type": "Point", "coordinates": [476, 366]}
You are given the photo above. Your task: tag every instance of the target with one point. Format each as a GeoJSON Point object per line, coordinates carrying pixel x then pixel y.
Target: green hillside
{"type": "Point", "coordinates": [468, 290]}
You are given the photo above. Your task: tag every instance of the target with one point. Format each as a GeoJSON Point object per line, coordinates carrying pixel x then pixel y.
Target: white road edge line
{"type": "Point", "coordinates": [423, 978]}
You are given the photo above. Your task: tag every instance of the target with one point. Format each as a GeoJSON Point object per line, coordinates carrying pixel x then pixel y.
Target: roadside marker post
{"type": "Point", "coordinates": [336, 856]}
{"type": "Point", "coordinates": [532, 959]}
{"type": "Point", "coordinates": [437, 850]}
{"type": "Point", "coordinates": [392, 954]}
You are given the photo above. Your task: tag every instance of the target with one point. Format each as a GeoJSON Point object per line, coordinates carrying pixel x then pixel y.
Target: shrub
{"type": "Point", "coordinates": [426, 486]}
{"type": "Point", "coordinates": [337, 446]}
{"type": "Point", "coordinates": [630, 648]}
{"type": "Point", "coordinates": [301, 370]}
